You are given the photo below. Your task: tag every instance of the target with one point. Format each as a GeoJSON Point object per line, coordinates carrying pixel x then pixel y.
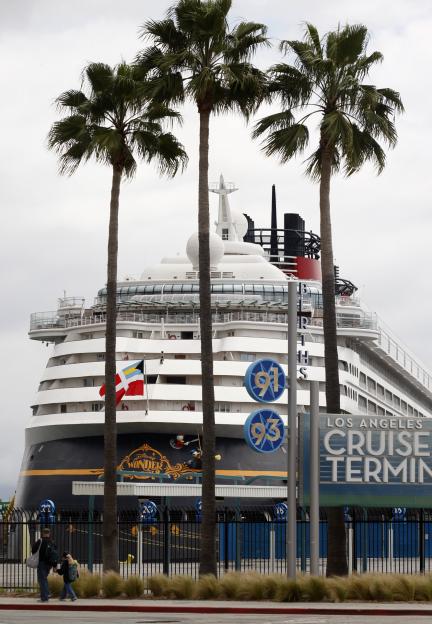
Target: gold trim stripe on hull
{"type": "Point", "coordinates": [98, 471]}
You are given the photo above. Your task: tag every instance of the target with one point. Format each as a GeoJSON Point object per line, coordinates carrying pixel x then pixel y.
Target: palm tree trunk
{"type": "Point", "coordinates": [110, 531]}
{"type": "Point", "coordinates": [208, 527]}
{"type": "Point", "coordinates": [336, 556]}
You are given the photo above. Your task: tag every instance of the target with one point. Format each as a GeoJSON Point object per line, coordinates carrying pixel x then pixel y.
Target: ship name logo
{"type": "Point", "coordinates": [146, 461]}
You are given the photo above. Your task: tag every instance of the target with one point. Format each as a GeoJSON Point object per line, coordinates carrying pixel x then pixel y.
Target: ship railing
{"type": "Point", "coordinates": [47, 320]}
{"type": "Point", "coordinates": [393, 347]}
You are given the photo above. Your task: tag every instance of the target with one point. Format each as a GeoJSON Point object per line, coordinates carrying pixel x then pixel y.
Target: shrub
{"type": "Point", "coordinates": [289, 591]}
{"type": "Point", "coordinates": [423, 588]}
{"type": "Point", "coordinates": [158, 585]}
{"type": "Point", "coordinates": [337, 589]}
{"type": "Point", "coordinates": [181, 588]}
{"type": "Point", "coordinates": [55, 584]}
{"type": "Point", "coordinates": [207, 588]}
{"type": "Point", "coordinates": [87, 585]}
{"type": "Point", "coordinates": [358, 587]}
{"type": "Point", "coordinates": [112, 584]}
{"type": "Point", "coordinates": [313, 588]}
{"type": "Point", "coordinates": [272, 585]}
{"type": "Point", "coordinates": [403, 588]}
{"type": "Point", "coordinates": [133, 587]}
{"type": "Point", "coordinates": [229, 585]}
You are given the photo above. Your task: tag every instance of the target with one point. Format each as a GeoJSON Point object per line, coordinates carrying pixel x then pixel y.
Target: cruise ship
{"type": "Point", "coordinates": [159, 433]}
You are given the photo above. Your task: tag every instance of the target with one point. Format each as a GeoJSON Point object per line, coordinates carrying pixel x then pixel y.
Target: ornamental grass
{"type": "Point", "coordinates": [251, 586]}
{"type": "Point", "coordinates": [87, 585]}
{"type": "Point", "coordinates": [112, 585]}
{"type": "Point", "coordinates": [55, 584]}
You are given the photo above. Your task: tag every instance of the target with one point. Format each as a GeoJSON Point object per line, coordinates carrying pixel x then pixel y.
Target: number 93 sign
{"type": "Point", "coordinates": [265, 381]}
{"type": "Point", "coordinates": [264, 431]}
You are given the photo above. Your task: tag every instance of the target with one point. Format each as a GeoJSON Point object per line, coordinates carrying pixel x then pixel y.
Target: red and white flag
{"type": "Point", "coordinates": [129, 382]}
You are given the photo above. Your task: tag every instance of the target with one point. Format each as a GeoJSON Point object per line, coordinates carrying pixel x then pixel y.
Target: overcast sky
{"type": "Point", "coordinates": [54, 229]}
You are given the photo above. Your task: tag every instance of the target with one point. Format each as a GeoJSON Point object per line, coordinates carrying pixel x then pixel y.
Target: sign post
{"type": "Point", "coordinates": [314, 459]}
{"type": "Point", "coordinates": [292, 431]}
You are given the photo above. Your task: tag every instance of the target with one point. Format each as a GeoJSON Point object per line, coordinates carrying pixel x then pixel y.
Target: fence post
{"type": "Point", "coordinates": [365, 544]}
{"type": "Point", "coordinates": [238, 528]}
{"type": "Point", "coordinates": [167, 542]}
{"type": "Point", "coordinates": [90, 534]}
{"type": "Point", "coordinates": [354, 541]}
{"type": "Point", "coordinates": [422, 541]}
{"type": "Point", "coordinates": [226, 537]}
{"type": "Point", "coordinates": [303, 539]}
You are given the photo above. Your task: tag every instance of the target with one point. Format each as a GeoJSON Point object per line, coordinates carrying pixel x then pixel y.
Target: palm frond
{"type": "Point", "coordinates": [114, 107]}
{"type": "Point", "coordinates": [99, 76]}
{"type": "Point", "coordinates": [286, 142]}
{"type": "Point", "coordinates": [71, 99]}
{"type": "Point", "coordinates": [345, 46]}
{"type": "Point", "coordinates": [276, 121]}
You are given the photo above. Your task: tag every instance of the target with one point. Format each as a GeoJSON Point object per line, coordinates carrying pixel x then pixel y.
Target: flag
{"type": "Point", "coordinates": [129, 381]}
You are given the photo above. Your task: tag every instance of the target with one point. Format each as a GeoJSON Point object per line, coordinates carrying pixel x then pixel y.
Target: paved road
{"type": "Point", "coordinates": [41, 617]}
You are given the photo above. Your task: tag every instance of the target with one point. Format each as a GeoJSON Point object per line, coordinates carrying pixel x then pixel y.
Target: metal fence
{"type": "Point", "coordinates": [378, 540]}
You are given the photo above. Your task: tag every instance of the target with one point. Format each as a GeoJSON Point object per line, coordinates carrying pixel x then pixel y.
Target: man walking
{"type": "Point", "coordinates": [47, 559]}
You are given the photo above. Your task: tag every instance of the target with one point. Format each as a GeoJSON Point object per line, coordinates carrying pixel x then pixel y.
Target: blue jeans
{"type": "Point", "coordinates": [43, 570]}
{"type": "Point", "coordinates": [67, 591]}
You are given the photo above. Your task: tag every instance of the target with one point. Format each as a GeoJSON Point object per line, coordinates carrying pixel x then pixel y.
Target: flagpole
{"type": "Point", "coordinates": [146, 386]}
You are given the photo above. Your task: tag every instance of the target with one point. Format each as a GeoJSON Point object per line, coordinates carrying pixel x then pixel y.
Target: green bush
{"type": "Point", "coordinates": [112, 585]}
{"type": "Point", "coordinates": [133, 587]}
{"type": "Point", "coordinates": [55, 584]}
{"type": "Point", "coordinates": [87, 585]}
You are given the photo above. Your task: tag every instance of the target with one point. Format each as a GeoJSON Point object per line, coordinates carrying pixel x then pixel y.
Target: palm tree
{"type": "Point", "coordinates": [196, 55]}
{"type": "Point", "coordinates": [112, 121]}
{"type": "Point", "coordinates": [327, 80]}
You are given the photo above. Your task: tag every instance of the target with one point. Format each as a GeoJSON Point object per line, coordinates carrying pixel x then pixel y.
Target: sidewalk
{"type": "Point", "coordinates": [212, 606]}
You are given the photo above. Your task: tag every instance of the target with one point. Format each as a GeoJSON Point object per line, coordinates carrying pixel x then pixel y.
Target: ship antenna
{"type": "Point", "coordinates": [274, 252]}
{"type": "Point", "coordinates": [225, 225]}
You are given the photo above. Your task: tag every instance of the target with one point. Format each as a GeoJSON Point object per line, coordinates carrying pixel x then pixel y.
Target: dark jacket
{"type": "Point", "coordinates": [47, 552]}
{"type": "Point", "coordinates": [64, 571]}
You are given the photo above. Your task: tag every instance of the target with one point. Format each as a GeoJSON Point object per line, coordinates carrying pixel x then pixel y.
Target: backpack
{"type": "Point", "coordinates": [73, 572]}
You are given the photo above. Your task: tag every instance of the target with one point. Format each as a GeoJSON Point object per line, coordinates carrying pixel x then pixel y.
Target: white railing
{"type": "Point", "coordinates": [47, 320]}
{"type": "Point", "coordinates": [391, 345]}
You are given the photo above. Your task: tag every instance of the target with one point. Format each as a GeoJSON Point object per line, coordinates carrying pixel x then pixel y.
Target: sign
{"type": "Point", "coordinates": [47, 510]}
{"type": "Point", "coordinates": [146, 462]}
{"type": "Point", "coordinates": [264, 431]}
{"type": "Point", "coordinates": [265, 381]}
{"type": "Point", "coordinates": [148, 512]}
{"type": "Point", "coordinates": [280, 511]}
{"type": "Point", "coordinates": [370, 461]}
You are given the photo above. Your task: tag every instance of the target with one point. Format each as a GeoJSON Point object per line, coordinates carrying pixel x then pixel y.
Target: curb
{"type": "Point", "coordinates": [212, 609]}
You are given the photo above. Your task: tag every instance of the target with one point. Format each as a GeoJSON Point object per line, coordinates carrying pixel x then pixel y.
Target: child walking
{"type": "Point", "coordinates": [69, 571]}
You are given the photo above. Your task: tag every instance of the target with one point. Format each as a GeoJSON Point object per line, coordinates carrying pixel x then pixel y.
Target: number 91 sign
{"type": "Point", "coordinates": [265, 381]}
{"type": "Point", "coordinates": [264, 431]}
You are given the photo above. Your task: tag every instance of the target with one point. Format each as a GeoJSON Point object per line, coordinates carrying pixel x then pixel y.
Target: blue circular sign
{"type": "Point", "coordinates": [399, 513]}
{"type": "Point", "coordinates": [264, 431]}
{"type": "Point", "coordinates": [280, 511]}
{"type": "Point", "coordinates": [47, 511]}
{"type": "Point", "coordinates": [148, 511]}
{"type": "Point", "coordinates": [265, 380]}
